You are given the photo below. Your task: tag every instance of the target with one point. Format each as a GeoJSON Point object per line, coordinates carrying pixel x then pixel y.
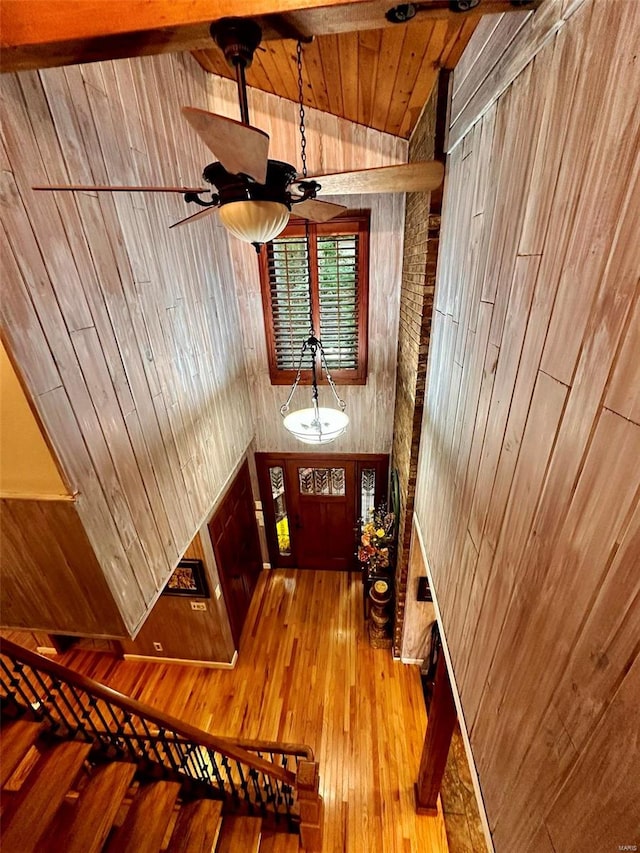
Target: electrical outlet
{"type": "Point", "coordinates": [198, 605]}
{"type": "Point", "coordinates": [157, 647]}
{"type": "Point", "coordinates": [218, 592]}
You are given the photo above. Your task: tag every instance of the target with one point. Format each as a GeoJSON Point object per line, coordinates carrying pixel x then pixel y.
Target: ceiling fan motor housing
{"type": "Point", "coordinates": [241, 188]}
{"type": "Point", "coordinates": [238, 39]}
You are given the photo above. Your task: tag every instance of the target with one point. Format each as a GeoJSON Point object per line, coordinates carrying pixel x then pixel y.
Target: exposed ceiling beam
{"type": "Point", "coordinates": [42, 33]}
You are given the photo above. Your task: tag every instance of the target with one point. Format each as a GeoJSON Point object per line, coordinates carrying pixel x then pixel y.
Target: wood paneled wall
{"type": "Point", "coordinates": [183, 633]}
{"type": "Point", "coordinates": [529, 481]}
{"type": "Point", "coordinates": [127, 334]}
{"type": "Point", "coordinates": [51, 580]}
{"type": "Point", "coordinates": [334, 145]}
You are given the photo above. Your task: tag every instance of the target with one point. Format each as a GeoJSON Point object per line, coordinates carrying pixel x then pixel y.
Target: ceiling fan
{"type": "Point", "coordinates": [253, 194]}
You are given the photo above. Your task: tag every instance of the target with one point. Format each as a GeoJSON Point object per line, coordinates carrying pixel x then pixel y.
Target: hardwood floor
{"type": "Point", "coordinates": [306, 673]}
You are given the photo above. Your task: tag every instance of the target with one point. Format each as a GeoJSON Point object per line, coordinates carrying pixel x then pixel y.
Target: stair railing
{"type": "Point", "coordinates": [264, 778]}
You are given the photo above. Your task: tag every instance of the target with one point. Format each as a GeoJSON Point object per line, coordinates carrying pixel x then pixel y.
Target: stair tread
{"type": "Point", "coordinates": [85, 826]}
{"type": "Point", "coordinates": [146, 822]}
{"type": "Point", "coordinates": [239, 835]}
{"type": "Point", "coordinates": [197, 827]}
{"type": "Point", "coordinates": [18, 736]}
{"type": "Point", "coordinates": [33, 807]}
{"type": "Point", "coordinates": [280, 842]}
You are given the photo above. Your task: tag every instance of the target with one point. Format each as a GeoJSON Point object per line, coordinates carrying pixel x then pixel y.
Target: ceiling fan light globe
{"type": "Point", "coordinates": [329, 425]}
{"type": "Point", "coordinates": [254, 221]}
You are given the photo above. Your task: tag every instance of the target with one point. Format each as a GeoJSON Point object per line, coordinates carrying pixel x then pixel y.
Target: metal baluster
{"type": "Point", "coordinates": [261, 800]}
{"type": "Point", "coordinates": [134, 738]}
{"type": "Point", "coordinates": [200, 763]}
{"type": "Point", "coordinates": [85, 713]}
{"type": "Point", "coordinates": [151, 741]}
{"type": "Point", "coordinates": [224, 761]}
{"type": "Point", "coordinates": [183, 758]}
{"type": "Point", "coordinates": [216, 771]}
{"type": "Point", "coordinates": [43, 709]}
{"type": "Point", "coordinates": [267, 780]}
{"type": "Point", "coordinates": [120, 742]}
{"type": "Point", "coordinates": [277, 798]}
{"type": "Point", "coordinates": [46, 689]}
{"type": "Point", "coordinates": [34, 703]}
{"type": "Point", "coordinates": [14, 681]}
{"type": "Point", "coordinates": [106, 736]}
{"type": "Point", "coordinates": [58, 687]}
{"type": "Point", "coordinates": [166, 749]}
{"type": "Point", "coordinates": [244, 785]}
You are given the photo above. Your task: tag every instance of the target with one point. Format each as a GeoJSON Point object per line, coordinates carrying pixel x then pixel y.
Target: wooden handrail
{"type": "Point", "coordinates": [226, 746]}
{"type": "Point", "coordinates": [300, 750]}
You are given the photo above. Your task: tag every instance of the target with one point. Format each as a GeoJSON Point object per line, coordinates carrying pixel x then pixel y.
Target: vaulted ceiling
{"type": "Point", "coordinates": [380, 77]}
{"type": "Point", "coordinates": [356, 65]}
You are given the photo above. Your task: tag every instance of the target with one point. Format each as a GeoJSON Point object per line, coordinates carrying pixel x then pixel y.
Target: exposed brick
{"type": "Point", "coordinates": [421, 237]}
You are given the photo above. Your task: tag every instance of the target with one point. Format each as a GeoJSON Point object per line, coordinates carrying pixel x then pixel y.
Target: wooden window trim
{"type": "Point", "coordinates": [356, 222]}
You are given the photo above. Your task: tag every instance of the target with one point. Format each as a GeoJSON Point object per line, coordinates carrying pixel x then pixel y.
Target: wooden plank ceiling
{"type": "Point", "coordinates": [359, 66]}
{"type": "Point", "coordinates": [380, 78]}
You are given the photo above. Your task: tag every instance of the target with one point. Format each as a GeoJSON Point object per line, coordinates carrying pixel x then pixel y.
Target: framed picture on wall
{"type": "Point", "coordinates": [188, 579]}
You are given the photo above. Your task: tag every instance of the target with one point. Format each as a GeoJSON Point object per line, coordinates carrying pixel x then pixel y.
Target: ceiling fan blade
{"type": "Point", "coordinates": [407, 177]}
{"type": "Point", "coordinates": [205, 211]}
{"type": "Point", "coordinates": [239, 147]}
{"type": "Point", "coordinates": [316, 210]}
{"type": "Point", "coordinates": [105, 189]}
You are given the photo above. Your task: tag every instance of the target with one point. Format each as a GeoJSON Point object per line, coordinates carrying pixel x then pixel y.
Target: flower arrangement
{"type": "Point", "coordinates": [376, 539]}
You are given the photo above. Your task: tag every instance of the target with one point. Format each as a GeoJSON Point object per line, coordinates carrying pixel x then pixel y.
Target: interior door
{"type": "Point", "coordinates": [323, 504]}
{"type": "Point", "coordinates": [234, 535]}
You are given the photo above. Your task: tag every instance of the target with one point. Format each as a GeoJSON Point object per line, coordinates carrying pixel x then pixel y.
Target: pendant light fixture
{"type": "Point", "coordinates": [316, 424]}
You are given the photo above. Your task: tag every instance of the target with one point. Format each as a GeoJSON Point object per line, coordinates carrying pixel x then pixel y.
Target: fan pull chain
{"type": "Point", "coordinates": [303, 136]}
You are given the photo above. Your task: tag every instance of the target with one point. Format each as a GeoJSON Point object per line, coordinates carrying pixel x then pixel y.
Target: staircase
{"type": "Point", "coordinates": [70, 782]}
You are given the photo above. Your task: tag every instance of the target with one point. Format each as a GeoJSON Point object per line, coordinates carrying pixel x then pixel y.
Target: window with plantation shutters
{"type": "Point", "coordinates": [339, 261]}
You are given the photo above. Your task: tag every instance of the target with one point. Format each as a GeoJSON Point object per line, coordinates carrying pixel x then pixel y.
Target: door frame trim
{"type": "Point", "coordinates": [264, 460]}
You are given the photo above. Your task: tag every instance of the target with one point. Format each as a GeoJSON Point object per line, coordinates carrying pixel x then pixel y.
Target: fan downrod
{"type": "Point", "coordinates": [238, 39]}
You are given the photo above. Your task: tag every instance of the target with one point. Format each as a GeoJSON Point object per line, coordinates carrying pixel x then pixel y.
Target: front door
{"type": "Point", "coordinates": [323, 506]}
{"type": "Point", "coordinates": [312, 505]}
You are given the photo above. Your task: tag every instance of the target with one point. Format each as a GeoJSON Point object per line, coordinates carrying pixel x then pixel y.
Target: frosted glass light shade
{"type": "Point", "coordinates": [254, 221]}
{"type": "Point", "coordinates": [329, 424]}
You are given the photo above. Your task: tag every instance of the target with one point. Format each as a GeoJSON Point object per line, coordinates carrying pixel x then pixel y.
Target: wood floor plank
{"type": "Point", "coordinates": [307, 674]}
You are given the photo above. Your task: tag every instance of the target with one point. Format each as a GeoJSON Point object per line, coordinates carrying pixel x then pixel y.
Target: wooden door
{"type": "Point", "coordinates": [312, 505]}
{"type": "Point", "coordinates": [234, 535]}
{"type": "Point", "coordinates": [323, 508]}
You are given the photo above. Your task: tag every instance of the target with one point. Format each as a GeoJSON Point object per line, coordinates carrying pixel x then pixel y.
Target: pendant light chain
{"type": "Point", "coordinates": [303, 158]}
{"type": "Point", "coordinates": [303, 134]}
{"type": "Point", "coordinates": [316, 425]}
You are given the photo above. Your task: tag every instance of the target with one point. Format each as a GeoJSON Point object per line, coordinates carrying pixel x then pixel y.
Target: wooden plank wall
{"type": "Point", "coordinates": [63, 589]}
{"type": "Point", "coordinates": [127, 335]}
{"type": "Point", "coordinates": [334, 145]}
{"type": "Point", "coordinates": [183, 633]}
{"type": "Point", "coordinates": [529, 480]}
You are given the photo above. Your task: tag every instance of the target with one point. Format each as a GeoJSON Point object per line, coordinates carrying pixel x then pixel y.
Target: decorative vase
{"type": "Point", "coordinates": [379, 596]}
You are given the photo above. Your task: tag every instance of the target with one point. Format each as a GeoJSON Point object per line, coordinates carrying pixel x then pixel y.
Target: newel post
{"type": "Point", "coordinates": [310, 802]}
{"type": "Point", "coordinates": [440, 726]}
